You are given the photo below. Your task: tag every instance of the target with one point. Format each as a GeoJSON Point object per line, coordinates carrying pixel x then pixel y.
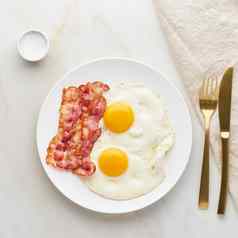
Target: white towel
{"type": "Point", "coordinates": [203, 38]}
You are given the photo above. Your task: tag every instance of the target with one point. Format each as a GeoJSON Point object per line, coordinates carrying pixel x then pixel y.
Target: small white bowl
{"type": "Point", "coordinates": [33, 45]}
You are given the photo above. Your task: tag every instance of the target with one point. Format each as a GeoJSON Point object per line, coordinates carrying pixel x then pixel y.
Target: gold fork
{"type": "Point", "coordinates": [208, 98]}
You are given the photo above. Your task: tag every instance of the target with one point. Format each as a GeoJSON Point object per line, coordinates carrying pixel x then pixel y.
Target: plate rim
{"type": "Point", "coordinates": [161, 75]}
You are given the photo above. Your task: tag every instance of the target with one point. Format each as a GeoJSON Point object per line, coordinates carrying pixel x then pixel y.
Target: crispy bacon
{"type": "Point", "coordinates": [87, 168]}
{"type": "Point", "coordinates": [81, 110]}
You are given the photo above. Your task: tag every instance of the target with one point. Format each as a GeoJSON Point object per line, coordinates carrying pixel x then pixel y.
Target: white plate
{"type": "Point", "coordinates": [112, 70]}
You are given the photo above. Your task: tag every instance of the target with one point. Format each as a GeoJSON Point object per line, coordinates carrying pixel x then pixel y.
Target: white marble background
{"type": "Point", "coordinates": [82, 30]}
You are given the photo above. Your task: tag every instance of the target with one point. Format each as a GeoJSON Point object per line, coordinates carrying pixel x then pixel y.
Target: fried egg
{"type": "Point", "coordinates": [136, 134]}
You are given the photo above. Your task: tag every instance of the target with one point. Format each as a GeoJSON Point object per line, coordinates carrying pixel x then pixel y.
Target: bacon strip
{"type": "Point", "coordinates": [81, 110]}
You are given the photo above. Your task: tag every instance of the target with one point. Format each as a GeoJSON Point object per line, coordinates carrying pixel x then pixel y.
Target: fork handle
{"type": "Point", "coordinates": [224, 176]}
{"type": "Point", "coordinates": [204, 183]}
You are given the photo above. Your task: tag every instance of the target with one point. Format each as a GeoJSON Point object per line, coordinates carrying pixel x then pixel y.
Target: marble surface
{"type": "Point", "coordinates": [82, 30]}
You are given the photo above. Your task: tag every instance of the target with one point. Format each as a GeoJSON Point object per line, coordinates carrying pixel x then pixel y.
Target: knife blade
{"type": "Point", "coordinates": [225, 100]}
{"type": "Point", "coordinates": [224, 108]}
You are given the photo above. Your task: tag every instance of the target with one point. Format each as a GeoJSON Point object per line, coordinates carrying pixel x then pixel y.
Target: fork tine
{"type": "Point", "coordinates": [201, 91]}
{"type": "Point", "coordinates": [210, 86]}
{"type": "Point", "coordinates": [204, 89]}
{"type": "Point", "coordinates": [213, 78]}
{"type": "Point", "coordinates": [213, 85]}
{"type": "Point", "coordinates": [207, 85]}
{"type": "Point", "coordinates": [217, 87]}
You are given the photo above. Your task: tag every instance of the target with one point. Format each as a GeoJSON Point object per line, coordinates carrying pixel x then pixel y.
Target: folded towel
{"type": "Point", "coordinates": [203, 38]}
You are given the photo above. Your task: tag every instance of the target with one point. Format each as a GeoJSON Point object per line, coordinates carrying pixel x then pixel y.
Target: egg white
{"type": "Point", "coordinates": [146, 143]}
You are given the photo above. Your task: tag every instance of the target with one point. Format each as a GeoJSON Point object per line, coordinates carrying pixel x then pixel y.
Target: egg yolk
{"type": "Point", "coordinates": [113, 162]}
{"type": "Point", "coordinates": [118, 117]}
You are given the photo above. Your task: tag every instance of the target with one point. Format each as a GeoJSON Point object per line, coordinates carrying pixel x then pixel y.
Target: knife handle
{"type": "Point", "coordinates": [224, 175]}
{"type": "Point", "coordinates": [204, 183]}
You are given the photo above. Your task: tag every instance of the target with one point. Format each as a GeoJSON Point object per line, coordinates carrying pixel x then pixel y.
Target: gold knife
{"type": "Point", "coordinates": [224, 118]}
